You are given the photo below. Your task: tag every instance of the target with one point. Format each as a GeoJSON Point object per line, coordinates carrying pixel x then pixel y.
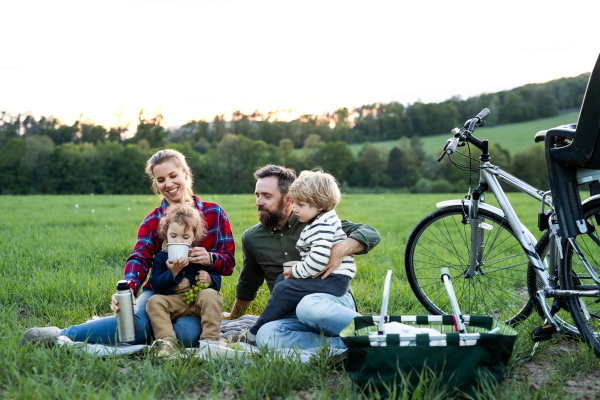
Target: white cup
{"type": "Point", "coordinates": [178, 250]}
{"type": "Point", "coordinates": [288, 265]}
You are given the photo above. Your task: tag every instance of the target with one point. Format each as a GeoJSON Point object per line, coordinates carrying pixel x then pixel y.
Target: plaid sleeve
{"type": "Point", "coordinates": [219, 239]}
{"type": "Point", "coordinates": [139, 261]}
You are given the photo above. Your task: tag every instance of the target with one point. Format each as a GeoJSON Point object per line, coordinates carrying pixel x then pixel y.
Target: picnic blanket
{"type": "Point", "coordinates": [205, 350]}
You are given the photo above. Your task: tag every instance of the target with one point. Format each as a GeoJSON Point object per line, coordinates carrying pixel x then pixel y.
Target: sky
{"type": "Point", "coordinates": [104, 61]}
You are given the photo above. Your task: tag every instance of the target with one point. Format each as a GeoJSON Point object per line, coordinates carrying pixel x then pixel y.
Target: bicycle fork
{"type": "Point", "coordinates": [477, 234]}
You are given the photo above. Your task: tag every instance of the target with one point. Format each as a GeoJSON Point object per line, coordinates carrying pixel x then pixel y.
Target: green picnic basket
{"type": "Point", "coordinates": [471, 360]}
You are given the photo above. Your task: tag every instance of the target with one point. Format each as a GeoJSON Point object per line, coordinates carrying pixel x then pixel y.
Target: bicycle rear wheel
{"type": "Point", "coordinates": [442, 239]}
{"type": "Point", "coordinates": [574, 276]}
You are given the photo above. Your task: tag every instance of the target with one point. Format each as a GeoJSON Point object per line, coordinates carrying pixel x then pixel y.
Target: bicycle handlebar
{"type": "Point", "coordinates": [484, 113]}
{"type": "Point", "coordinates": [460, 136]}
{"type": "Point", "coordinates": [452, 146]}
{"type": "Point", "coordinates": [477, 121]}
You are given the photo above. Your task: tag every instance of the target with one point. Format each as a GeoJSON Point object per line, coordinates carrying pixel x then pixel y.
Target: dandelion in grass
{"type": "Point", "coordinates": [128, 209]}
{"type": "Point", "coordinates": [93, 211]}
{"type": "Point", "coordinates": [76, 205]}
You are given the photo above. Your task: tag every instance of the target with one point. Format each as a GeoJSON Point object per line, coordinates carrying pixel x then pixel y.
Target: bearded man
{"type": "Point", "coordinates": [320, 317]}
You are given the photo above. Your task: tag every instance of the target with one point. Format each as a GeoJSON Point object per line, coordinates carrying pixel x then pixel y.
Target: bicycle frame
{"type": "Point", "coordinates": [489, 180]}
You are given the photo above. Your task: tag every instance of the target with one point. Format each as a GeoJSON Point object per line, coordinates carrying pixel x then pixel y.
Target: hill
{"type": "Point", "coordinates": [512, 137]}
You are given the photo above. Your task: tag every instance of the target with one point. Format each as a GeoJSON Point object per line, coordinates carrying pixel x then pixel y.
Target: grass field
{"type": "Point", "coordinates": [62, 256]}
{"type": "Point", "coordinates": [512, 137]}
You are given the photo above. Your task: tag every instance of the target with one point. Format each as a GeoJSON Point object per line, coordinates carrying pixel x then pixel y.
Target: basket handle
{"type": "Point", "coordinates": [458, 317]}
{"type": "Point", "coordinates": [386, 297]}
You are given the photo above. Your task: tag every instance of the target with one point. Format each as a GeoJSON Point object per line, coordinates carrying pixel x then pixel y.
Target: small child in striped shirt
{"type": "Point", "coordinates": [315, 195]}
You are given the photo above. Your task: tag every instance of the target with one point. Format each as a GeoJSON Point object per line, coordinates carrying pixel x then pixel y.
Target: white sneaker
{"type": "Point", "coordinates": [165, 348]}
{"type": "Point", "coordinates": [44, 335]}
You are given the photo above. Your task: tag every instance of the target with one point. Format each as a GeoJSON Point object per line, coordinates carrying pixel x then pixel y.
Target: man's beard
{"type": "Point", "coordinates": [271, 219]}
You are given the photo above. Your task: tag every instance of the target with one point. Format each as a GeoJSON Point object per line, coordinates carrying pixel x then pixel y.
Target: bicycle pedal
{"type": "Point", "coordinates": [542, 333]}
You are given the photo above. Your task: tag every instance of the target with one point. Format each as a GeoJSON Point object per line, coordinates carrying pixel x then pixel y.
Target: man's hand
{"type": "Point", "coordinates": [338, 251]}
{"type": "Point", "coordinates": [114, 305]}
{"type": "Point", "coordinates": [239, 308]}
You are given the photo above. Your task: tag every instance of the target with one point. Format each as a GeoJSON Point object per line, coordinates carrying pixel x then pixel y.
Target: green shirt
{"type": "Point", "coordinates": [265, 250]}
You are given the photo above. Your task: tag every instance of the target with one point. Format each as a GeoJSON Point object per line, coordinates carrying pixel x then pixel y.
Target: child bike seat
{"type": "Point", "coordinates": [564, 158]}
{"type": "Point", "coordinates": [584, 150]}
{"type": "Point", "coordinates": [569, 132]}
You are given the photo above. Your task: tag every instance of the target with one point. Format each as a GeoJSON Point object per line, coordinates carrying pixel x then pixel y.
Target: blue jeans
{"type": "Point", "coordinates": [288, 293]}
{"type": "Point", "coordinates": [104, 330]}
{"type": "Point", "coordinates": [318, 321]}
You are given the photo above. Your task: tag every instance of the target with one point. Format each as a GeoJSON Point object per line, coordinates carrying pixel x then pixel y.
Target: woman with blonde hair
{"type": "Point", "coordinates": [172, 179]}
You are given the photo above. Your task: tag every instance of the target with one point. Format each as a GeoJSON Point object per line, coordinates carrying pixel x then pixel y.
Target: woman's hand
{"type": "Point", "coordinates": [114, 306]}
{"type": "Point", "coordinates": [177, 265]}
{"type": "Point", "coordinates": [205, 278]}
{"type": "Point", "coordinates": [199, 255]}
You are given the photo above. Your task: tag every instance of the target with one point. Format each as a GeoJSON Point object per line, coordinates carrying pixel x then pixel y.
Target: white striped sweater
{"type": "Point", "coordinates": [314, 245]}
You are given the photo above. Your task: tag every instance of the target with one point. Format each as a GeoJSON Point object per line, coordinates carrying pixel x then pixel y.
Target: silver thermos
{"type": "Point", "coordinates": [125, 316]}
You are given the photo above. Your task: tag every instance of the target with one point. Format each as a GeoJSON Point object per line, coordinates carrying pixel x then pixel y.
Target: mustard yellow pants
{"type": "Point", "coordinates": [164, 309]}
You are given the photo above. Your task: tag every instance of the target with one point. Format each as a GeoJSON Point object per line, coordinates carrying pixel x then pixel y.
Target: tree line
{"type": "Point", "coordinates": [43, 156]}
{"type": "Point", "coordinates": [34, 165]}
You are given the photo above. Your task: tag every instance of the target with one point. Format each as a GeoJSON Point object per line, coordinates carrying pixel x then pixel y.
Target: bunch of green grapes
{"type": "Point", "coordinates": [191, 295]}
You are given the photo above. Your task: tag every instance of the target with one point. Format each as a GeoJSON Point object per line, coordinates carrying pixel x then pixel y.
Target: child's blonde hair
{"type": "Point", "coordinates": [162, 156]}
{"type": "Point", "coordinates": [184, 215]}
{"type": "Point", "coordinates": [317, 188]}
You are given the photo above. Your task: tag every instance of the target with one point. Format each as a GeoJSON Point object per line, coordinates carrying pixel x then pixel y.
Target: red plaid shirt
{"type": "Point", "coordinates": [218, 240]}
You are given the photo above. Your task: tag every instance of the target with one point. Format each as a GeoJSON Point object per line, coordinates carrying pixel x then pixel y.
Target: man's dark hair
{"type": "Point", "coordinates": [285, 176]}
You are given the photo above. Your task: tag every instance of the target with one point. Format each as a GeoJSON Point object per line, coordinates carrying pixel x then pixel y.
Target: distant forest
{"type": "Point", "coordinates": [44, 156]}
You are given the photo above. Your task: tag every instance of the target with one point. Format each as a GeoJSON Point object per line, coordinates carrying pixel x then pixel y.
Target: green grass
{"type": "Point", "coordinates": [512, 137]}
{"type": "Point", "coordinates": [60, 264]}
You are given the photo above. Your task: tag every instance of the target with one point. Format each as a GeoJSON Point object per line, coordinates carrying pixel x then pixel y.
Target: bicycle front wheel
{"type": "Point", "coordinates": [585, 311]}
{"type": "Point", "coordinates": [499, 287]}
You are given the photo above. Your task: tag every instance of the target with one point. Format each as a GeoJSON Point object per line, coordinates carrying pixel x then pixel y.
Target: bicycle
{"type": "Point", "coordinates": [498, 266]}
{"type": "Point", "coordinates": [466, 235]}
